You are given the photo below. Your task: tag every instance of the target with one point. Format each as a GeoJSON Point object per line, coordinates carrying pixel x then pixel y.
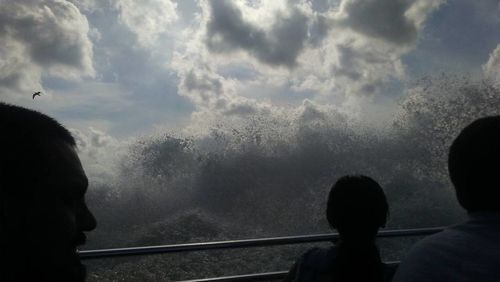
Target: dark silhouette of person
{"type": "Point", "coordinates": [43, 215]}
{"type": "Point", "coordinates": [357, 208]}
{"type": "Point", "coordinates": [469, 251]}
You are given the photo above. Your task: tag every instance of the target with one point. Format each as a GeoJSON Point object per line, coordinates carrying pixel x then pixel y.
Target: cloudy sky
{"type": "Point", "coordinates": [116, 69]}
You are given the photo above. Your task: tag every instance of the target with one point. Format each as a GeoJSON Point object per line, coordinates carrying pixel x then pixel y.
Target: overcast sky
{"type": "Point", "coordinates": [115, 69]}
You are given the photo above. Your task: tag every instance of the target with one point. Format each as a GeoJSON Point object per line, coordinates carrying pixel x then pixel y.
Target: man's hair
{"type": "Point", "coordinates": [474, 165]}
{"type": "Point", "coordinates": [17, 123]}
{"type": "Point", "coordinates": [23, 143]}
{"type": "Point", "coordinates": [357, 198]}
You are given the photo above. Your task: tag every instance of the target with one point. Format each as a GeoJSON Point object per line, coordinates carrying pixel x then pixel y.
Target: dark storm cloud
{"type": "Point", "coordinates": [11, 80]}
{"type": "Point", "coordinates": [347, 63]}
{"type": "Point", "coordinates": [228, 31]}
{"type": "Point", "coordinates": [205, 85]}
{"type": "Point", "coordinates": [319, 30]}
{"type": "Point", "coordinates": [383, 19]}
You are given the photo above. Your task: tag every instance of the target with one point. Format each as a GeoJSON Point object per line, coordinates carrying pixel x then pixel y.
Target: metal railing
{"type": "Point", "coordinates": [246, 243]}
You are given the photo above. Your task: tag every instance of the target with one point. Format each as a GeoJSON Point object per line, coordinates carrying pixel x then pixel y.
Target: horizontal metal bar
{"type": "Point", "coordinates": [277, 275]}
{"type": "Point", "coordinates": [260, 242]}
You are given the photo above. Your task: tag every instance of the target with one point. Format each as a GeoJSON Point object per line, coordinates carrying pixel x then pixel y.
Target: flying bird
{"type": "Point", "coordinates": [36, 94]}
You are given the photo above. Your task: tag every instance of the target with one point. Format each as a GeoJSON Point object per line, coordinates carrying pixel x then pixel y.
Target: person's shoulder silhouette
{"type": "Point", "coordinates": [469, 251]}
{"type": "Point", "coordinates": [43, 214]}
{"type": "Point", "coordinates": [357, 208]}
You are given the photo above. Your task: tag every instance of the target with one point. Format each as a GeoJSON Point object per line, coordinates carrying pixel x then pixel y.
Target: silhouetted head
{"type": "Point", "coordinates": [357, 208]}
{"type": "Point", "coordinates": [42, 210]}
{"type": "Point", "coordinates": [474, 165]}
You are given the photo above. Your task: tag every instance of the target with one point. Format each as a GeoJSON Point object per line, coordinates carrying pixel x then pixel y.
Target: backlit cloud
{"type": "Point", "coordinates": [149, 19]}
{"type": "Point", "coordinates": [339, 50]}
{"type": "Point", "coordinates": [396, 21]}
{"type": "Point", "coordinates": [94, 148]}
{"type": "Point", "coordinates": [228, 31]}
{"type": "Point", "coordinates": [42, 38]}
{"type": "Point", "coordinates": [169, 63]}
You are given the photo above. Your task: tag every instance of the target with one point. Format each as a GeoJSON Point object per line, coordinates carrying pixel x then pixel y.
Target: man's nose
{"type": "Point", "coordinates": [87, 220]}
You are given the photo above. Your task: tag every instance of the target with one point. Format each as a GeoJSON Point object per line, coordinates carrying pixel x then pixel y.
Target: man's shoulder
{"type": "Point", "coordinates": [454, 252]}
{"type": "Point", "coordinates": [440, 243]}
{"type": "Point", "coordinates": [420, 262]}
{"type": "Point", "coordinates": [423, 248]}
{"type": "Point", "coordinates": [439, 238]}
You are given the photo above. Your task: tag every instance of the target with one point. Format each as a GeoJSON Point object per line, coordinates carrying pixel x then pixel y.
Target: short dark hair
{"type": "Point", "coordinates": [474, 165]}
{"type": "Point", "coordinates": [17, 123]}
{"type": "Point", "coordinates": [355, 197]}
{"type": "Point", "coordinates": [25, 134]}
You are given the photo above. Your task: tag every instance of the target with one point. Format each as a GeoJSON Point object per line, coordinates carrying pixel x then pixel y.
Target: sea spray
{"type": "Point", "coordinates": [269, 175]}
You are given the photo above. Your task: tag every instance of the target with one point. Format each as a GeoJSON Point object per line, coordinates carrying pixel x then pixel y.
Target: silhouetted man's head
{"type": "Point", "coordinates": [42, 210]}
{"type": "Point", "coordinates": [357, 208]}
{"type": "Point", "coordinates": [474, 165]}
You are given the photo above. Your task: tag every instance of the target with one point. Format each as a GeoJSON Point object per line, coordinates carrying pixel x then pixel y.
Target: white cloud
{"type": "Point", "coordinates": [419, 10]}
{"type": "Point", "coordinates": [364, 46]}
{"type": "Point", "coordinates": [212, 93]}
{"type": "Point", "coordinates": [100, 153]}
{"type": "Point", "coordinates": [148, 19]}
{"type": "Point", "coordinates": [87, 5]}
{"type": "Point", "coordinates": [42, 38]}
{"type": "Point", "coordinates": [339, 51]}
